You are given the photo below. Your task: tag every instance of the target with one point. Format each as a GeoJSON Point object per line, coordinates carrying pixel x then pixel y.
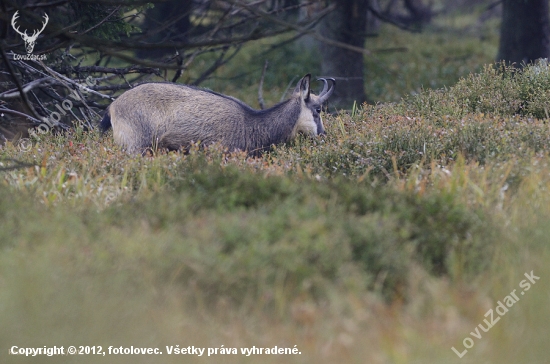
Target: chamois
{"type": "Point", "coordinates": [173, 116]}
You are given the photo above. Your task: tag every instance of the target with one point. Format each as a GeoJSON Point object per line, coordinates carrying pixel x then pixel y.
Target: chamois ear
{"type": "Point", "coordinates": [303, 87]}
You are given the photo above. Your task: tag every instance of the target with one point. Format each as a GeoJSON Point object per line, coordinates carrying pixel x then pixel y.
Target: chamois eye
{"type": "Point", "coordinates": [318, 110]}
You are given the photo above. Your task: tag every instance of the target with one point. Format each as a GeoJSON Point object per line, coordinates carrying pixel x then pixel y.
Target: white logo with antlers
{"type": "Point", "coordinates": [29, 40]}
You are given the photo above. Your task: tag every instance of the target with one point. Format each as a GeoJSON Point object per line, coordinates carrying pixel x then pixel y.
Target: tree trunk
{"type": "Point", "coordinates": [524, 32]}
{"type": "Point", "coordinates": [346, 24]}
{"type": "Point", "coordinates": [420, 14]}
{"type": "Point", "coordinates": [157, 17]}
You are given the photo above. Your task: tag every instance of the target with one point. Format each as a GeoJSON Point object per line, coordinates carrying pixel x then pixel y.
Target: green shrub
{"type": "Point", "coordinates": [230, 238]}
{"type": "Point", "coordinates": [497, 89]}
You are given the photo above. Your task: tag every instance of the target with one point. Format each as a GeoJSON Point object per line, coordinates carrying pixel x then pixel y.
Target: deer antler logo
{"type": "Point", "coordinates": [29, 40]}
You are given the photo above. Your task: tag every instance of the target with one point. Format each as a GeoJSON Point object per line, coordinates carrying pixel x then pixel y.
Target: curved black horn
{"type": "Point", "coordinates": [326, 92]}
{"type": "Point", "coordinates": [325, 86]}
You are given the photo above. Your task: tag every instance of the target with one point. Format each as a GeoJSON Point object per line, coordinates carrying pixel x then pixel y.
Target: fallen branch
{"type": "Point", "coordinates": [78, 86]}
{"type": "Point", "coordinates": [16, 164]}
{"type": "Point", "coordinates": [10, 94]}
{"type": "Point", "coordinates": [116, 71]}
{"type": "Point", "coordinates": [18, 113]}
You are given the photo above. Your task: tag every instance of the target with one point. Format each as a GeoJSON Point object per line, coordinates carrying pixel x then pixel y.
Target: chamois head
{"type": "Point", "coordinates": [310, 121]}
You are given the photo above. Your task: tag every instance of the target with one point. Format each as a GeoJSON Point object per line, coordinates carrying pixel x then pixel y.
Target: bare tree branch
{"type": "Point", "coordinates": [304, 31]}
{"type": "Point", "coordinates": [103, 21]}
{"type": "Point", "coordinates": [17, 83]}
{"type": "Point", "coordinates": [260, 87]}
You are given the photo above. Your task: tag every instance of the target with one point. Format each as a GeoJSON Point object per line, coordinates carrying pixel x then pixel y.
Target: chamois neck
{"type": "Point", "coordinates": [273, 125]}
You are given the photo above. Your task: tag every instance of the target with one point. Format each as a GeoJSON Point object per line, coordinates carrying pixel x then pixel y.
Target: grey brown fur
{"type": "Point", "coordinates": [172, 116]}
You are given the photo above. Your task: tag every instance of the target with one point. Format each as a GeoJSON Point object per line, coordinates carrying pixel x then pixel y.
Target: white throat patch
{"type": "Point", "coordinates": [306, 122]}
